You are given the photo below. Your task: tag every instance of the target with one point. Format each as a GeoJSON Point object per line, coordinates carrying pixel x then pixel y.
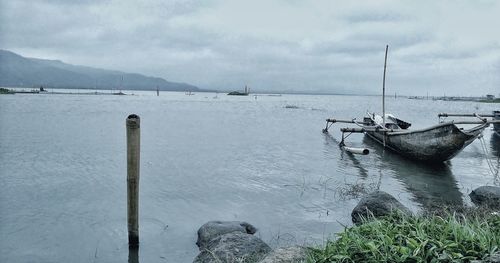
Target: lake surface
{"type": "Point", "coordinates": [205, 157]}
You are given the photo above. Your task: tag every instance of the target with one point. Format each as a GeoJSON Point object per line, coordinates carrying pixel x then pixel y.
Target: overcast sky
{"type": "Point", "coordinates": [439, 47]}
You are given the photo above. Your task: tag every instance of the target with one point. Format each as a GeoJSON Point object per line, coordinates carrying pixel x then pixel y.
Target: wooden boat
{"type": "Point", "coordinates": [437, 143]}
{"type": "Point", "coordinates": [434, 144]}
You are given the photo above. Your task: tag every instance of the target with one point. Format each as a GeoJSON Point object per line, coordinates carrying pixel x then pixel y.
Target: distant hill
{"type": "Point", "coordinates": [18, 71]}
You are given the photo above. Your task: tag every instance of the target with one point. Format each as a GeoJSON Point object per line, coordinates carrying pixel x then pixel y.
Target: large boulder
{"type": "Point", "coordinates": [233, 247]}
{"type": "Point", "coordinates": [378, 204]}
{"type": "Point", "coordinates": [486, 196]}
{"type": "Point", "coordinates": [294, 254]}
{"type": "Point", "coordinates": [214, 229]}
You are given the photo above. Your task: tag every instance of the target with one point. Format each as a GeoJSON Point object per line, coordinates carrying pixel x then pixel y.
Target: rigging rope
{"type": "Point", "coordinates": [492, 168]}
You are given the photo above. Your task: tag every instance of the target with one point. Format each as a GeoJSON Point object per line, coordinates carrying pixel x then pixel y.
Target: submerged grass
{"type": "Point", "coordinates": [431, 238]}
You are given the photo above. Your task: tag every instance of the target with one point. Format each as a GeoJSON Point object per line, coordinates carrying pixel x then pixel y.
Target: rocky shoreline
{"type": "Point", "coordinates": [234, 241]}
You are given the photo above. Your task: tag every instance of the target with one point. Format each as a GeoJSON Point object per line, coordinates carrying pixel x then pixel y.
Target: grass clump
{"type": "Point", "coordinates": [400, 238]}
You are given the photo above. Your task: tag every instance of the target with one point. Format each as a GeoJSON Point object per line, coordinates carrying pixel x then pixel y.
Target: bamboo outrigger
{"type": "Point", "coordinates": [437, 143]}
{"type": "Point", "coordinates": [495, 115]}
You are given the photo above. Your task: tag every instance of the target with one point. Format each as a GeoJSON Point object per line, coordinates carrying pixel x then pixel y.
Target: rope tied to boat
{"type": "Point", "coordinates": [494, 171]}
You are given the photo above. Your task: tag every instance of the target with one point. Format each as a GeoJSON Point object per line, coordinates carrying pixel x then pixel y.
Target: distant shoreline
{"type": "Point", "coordinates": [98, 91]}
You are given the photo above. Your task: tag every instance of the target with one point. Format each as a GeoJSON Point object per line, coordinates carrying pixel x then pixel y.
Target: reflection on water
{"type": "Point", "coordinates": [495, 150]}
{"type": "Point", "coordinates": [133, 255]}
{"type": "Point", "coordinates": [362, 171]}
{"type": "Point", "coordinates": [432, 186]}
{"type": "Point", "coordinates": [347, 157]}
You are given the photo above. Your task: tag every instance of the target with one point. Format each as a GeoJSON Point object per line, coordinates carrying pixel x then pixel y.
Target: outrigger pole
{"type": "Point", "coordinates": [479, 116]}
{"type": "Point", "coordinates": [464, 115]}
{"type": "Point", "coordinates": [362, 151]}
{"type": "Point", "coordinates": [329, 123]}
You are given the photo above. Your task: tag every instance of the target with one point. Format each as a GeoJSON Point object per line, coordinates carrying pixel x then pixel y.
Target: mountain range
{"type": "Point", "coordinates": [19, 71]}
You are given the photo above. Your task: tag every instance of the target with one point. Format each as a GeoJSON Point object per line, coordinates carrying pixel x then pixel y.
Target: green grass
{"type": "Point", "coordinates": [399, 238]}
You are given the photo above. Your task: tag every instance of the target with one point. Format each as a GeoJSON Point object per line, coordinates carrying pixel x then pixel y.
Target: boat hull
{"type": "Point", "coordinates": [496, 126]}
{"type": "Point", "coordinates": [436, 144]}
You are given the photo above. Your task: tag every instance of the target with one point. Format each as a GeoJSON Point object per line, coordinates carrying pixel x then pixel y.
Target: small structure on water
{"type": "Point", "coordinates": [238, 93]}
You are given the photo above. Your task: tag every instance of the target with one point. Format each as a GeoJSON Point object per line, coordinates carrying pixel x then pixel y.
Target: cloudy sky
{"type": "Point", "coordinates": [435, 47]}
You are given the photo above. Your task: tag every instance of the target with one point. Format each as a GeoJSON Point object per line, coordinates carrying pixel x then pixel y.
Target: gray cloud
{"type": "Point", "coordinates": [371, 17]}
{"type": "Point", "coordinates": [322, 45]}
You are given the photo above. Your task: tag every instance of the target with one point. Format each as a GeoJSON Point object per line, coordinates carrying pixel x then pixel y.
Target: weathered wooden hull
{"type": "Point", "coordinates": [496, 126]}
{"type": "Point", "coordinates": [435, 144]}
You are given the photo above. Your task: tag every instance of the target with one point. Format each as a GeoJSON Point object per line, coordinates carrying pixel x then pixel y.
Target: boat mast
{"type": "Point", "coordinates": [383, 93]}
{"type": "Point", "coordinates": [383, 88]}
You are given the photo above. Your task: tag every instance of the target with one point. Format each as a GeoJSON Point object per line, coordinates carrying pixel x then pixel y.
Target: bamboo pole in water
{"type": "Point", "coordinates": [133, 165]}
{"type": "Point", "coordinates": [464, 115]}
{"type": "Point", "coordinates": [362, 151]}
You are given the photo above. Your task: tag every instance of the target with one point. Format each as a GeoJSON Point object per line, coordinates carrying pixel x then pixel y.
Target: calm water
{"type": "Point", "coordinates": [63, 171]}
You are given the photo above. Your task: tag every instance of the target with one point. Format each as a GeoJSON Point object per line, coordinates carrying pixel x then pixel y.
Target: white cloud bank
{"type": "Point", "coordinates": [439, 47]}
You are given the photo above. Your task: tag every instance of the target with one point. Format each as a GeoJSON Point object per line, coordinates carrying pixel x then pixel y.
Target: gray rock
{"type": "Point", "coordinates": [495, 258]}
{"type": "Point", "coordinates": [233, 247]}
{"type": "Point", "coordinates": [214, 229]}
{"type": "Point", "coordinates": [377, 203]}
{"type": "Point", "coordinates": [293, 254]}
{"type": "Point", "coordinates": [487, 196]}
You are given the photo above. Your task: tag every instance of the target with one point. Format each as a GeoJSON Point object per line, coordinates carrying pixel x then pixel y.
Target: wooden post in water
{"type": "Point", "coordinates": [133, 164]}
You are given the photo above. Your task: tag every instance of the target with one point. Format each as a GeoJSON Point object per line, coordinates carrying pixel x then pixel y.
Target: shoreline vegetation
{"type": "Point", "coordinates": [384, 230]}
{"type": "Point", "coordinates": [497, 100]}
{"type": "Point", "coordinates": [6, 91]}
{"type": "Point", "coordinates": [445, 237]}
{"type": "Point", "coordinates": [46, 92]}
